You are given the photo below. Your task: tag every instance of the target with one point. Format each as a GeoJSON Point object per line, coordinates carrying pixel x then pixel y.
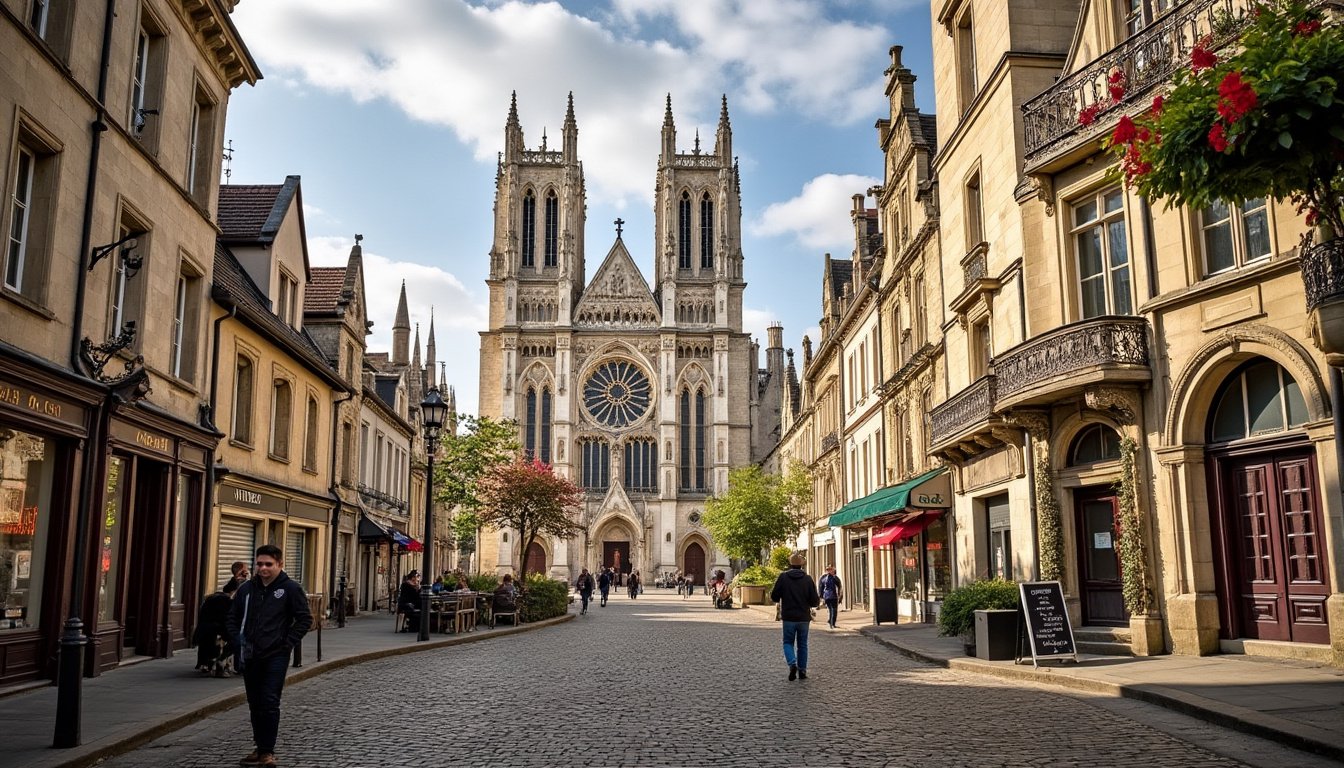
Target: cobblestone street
{"type": "Point", "coordinates": [662, 681]}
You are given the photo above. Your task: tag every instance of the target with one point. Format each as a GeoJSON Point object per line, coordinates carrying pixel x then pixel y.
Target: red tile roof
{"type": "Point", "coordinates": [324, 289]}
{"type": "Point", "coordinates": [245, 208]}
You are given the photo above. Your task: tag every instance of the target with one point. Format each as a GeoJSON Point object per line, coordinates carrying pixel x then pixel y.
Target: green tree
{"type": "Point", "coordinates": [530, 498]}
{"type": "Point", "coordinates": [758, 510]}
{"type": "Point", "coordinates": [462, 460]}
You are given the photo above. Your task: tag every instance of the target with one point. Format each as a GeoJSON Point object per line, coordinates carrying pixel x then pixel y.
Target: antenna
{"type": "Point", "coordinates": [228, 160]}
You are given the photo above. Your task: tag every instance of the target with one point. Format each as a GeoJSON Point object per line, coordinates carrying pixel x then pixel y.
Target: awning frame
{"type": "Point", "coordinates": [897, 498]}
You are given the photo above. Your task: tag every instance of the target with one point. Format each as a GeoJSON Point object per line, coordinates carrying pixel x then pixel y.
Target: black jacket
{"type": "Point", "coordinates": [408, 598]}
{"type": "Point", "coordinates": [277, 617]}
{"type": "Point", "coordinates": [796, 594]}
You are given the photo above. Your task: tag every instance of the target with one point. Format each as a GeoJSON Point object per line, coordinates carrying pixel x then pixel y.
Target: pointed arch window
{"type": "Point", "coordinates": [1257, 399]}
{"type": "Point", "coordinates": [552, 229]}
{"type": "Point", "coordinates": [537, 424]}
{"type": "Point", "coordinates": [706, 232]}
{"type": "Point", "coordinates": [693, 432]}
{"type": "Point", "coordinates": [595, 469]}
{"type": "Point", "coordinates": [529, 229]}
{"type": "Point", "coordinates": [684, 231]}
{"type": "Point", "coordinates": [641, 465]}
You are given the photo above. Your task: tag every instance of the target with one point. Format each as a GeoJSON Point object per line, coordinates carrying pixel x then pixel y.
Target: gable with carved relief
{"type": "Point", "coordinates": [617, 297]}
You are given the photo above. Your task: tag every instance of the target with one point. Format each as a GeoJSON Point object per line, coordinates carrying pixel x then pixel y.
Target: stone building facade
{"type": "Point", "coordinates": [641, 393]}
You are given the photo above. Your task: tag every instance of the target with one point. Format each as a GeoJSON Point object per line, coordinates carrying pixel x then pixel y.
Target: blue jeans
{"type": "Point", "coordinates": [264, 680]}
{"type": "Point", "coordinates": [832, 606]}
{"type": "Point", "coordinates": [795, 632]}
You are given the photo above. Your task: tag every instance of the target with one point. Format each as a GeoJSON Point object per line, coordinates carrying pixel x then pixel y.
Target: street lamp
{"type": "Point", "coordinates": [433, 411]}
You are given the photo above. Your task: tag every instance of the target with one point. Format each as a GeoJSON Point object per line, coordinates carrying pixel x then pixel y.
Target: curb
{"type": "Point", "coordinates": [225, 701]}
{"type": "Point", "coordinates": [1218, 713]}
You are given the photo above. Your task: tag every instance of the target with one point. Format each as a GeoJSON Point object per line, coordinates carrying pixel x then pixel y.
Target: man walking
{"type": "Point", "coordinates": [604, 586]}
{"type": "Point", "coordinates": [584, 586]}
{"type": "Point", "coordinates": [829, 586]}
{"type": "Point", "coordinates": [797, 595]}
{"type": "Point", "coordinates": [270, 616]}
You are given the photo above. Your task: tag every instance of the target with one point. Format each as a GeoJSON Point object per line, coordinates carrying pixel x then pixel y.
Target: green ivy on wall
{"type": "Point", "coordinates": [1133, 553]}
{"type": "Point", "coordinates": [1049, 528]}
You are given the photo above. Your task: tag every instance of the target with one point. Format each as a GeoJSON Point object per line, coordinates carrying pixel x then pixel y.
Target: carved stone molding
{"type": "Point", "coordinates": [1122, 403]}
{"type": "Point", "coordinates": [1034, 423]}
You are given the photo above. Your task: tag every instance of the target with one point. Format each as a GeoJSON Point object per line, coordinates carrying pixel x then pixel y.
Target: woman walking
{"type": "Point", "coordinates": [584, 586]}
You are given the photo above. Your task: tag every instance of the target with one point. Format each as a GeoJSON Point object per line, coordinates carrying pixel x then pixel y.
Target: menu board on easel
{"type": "Point", "coordinates": [1049, 632]}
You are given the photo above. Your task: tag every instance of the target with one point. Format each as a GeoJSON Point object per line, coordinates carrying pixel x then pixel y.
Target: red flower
{"type": "Point", "coordinates": [1116, 84]}
{"type": "Point", "coordinates": [1202, 58]}
{"type": "Point", "coordinates": [1124, 132]}
{"type": "Point", "coordinates": [1218, 138]}
{"type": "Point", "coordinates": [1157, 104]}
{"type": "Point", "coordinates": [1307, 28]}
{"type": "Point", "coordinates": [1238, 97]}
{"type": "Point", "coordinates": [1089, 114]}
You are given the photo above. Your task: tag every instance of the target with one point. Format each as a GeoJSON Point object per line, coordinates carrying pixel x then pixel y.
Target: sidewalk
{"type": "Point", "coordinates": [1294, 703]}
{"type": "Point", "coordinates": [137, 703]}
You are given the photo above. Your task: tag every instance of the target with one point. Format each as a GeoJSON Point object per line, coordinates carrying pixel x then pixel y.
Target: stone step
{"type": "Point", "coordinates": [1103, 635]}
{"type": "Point", "coordinates": [1104, 649]}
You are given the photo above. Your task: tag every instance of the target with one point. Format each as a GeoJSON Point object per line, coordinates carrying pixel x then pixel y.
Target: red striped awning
{"type": "Point", "coordinates": [903, 529]}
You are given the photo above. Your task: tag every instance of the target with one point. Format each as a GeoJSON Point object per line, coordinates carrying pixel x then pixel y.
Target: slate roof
{"type": "Point", "coordinates": [842, 274]}
{"type": "Point", "coordinates": [324, 288]}
{"type": "Point", "coordinates": [245, 209]}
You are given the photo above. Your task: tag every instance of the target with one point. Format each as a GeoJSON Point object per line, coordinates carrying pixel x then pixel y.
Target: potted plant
{"type": "Point", "coordinates": [751, 584]}
{"type": "Point", "coordinates": [957, 617]}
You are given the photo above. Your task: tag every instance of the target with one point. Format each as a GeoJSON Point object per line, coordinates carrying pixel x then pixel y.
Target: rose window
{"type": "Point", "coordinates": [617, 394]}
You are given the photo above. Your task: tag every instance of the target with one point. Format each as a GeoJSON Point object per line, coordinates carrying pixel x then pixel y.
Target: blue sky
{"type": "Point", "coordinates": [394, 120]}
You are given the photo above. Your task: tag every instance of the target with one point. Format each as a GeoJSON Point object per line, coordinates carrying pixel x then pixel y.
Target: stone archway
{"type": "Point", "coordinates": [535, 559]}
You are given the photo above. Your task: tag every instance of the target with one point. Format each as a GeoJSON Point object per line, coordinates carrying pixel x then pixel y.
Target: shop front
{"type": "Point", "coordinates": [46, 419]}
{"type": "Point", "coordinates": [904, 530]}
{"type": "Point", "coordinates": [253, 512]}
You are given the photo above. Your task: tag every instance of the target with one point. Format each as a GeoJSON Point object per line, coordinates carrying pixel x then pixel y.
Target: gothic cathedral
{"type": "Point", "coordinates": [642, 394]}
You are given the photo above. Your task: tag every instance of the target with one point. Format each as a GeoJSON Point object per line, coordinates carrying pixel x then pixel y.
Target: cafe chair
{"type": "Point", "coordinates": [501, 608]}
{"type": "Point", "coordinates": [466, 613]}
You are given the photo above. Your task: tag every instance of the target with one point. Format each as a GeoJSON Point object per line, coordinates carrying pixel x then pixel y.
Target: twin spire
{"type": "Point", "coordinates": [513, 131]}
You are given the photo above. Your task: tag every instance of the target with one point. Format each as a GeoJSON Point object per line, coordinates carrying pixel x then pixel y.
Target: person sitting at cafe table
{"type": "Point", "coordinates": [462, 585]}
{"type": "Point", "coordinates": [437, 586]}
{"type": "Point", "coordinates": [408, 601]}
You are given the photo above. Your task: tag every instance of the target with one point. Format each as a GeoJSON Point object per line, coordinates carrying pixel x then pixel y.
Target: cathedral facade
{"type": "Point", "coordinates": [643, 393]}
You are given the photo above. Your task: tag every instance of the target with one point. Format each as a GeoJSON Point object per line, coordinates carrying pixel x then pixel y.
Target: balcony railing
{"type": "Point", "coordinates": [831, 440]}
{"type": "Point", "coordinates": [544, 156]}
{"type": "Point", "coordinates": [1323, 273]}
{"type": "Point", "coordinates": [1071, 349]}
{"type": "Point", "coordinates": [968, 407]}
{"type": "Point", "coordinates": [1148, 59]}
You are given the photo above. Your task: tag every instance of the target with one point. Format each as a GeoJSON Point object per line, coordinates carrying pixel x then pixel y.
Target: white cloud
{"type": "Point", "coordinates": [453, 63]}
{"type": "Point", "coordinates": [458, 314]}
{"type": "Point", "coordinates": [819, 216]}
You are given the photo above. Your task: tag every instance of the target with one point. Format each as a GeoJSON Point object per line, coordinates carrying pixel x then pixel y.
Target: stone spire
{"type": "Point", "coordinates": [723, 138]}
{"type": "Point", "coordinates": [571, 133]}
{"type": "Point", "coordinates": [415, 356]}
{"type": "Point", "coordinates": [451, 399]}
{"type": "Point", "coordinates": [669, 133]}
{"type": "Point", "coordinates": [429, 347]}
{"type": "Point", "coordinates": [401, 330]}
{"type": "Point", "coordinates": [513, 132]}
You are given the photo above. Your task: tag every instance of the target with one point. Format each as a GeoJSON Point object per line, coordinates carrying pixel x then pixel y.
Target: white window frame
{"type": "Point", "coordinates": [20, 215]}
{"type": "Point", "coordinates": [1102, 221]}
{"type": "Point", "coordinates": [179, 322]}
{"type": "Point", "coordinates": [139, 82]}
{"type": "Point", "coordinates": [39, 16]}
{"type": "Point", "coordinates": [193, 139]}
{"type": "Point", "coordinates": [1235, 221]}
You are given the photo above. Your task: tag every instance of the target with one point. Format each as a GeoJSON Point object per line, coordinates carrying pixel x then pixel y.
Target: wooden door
{"type": "Point", "coordinates": [1099, 566]}
{"type": "Point", "coordinates": [616, 554]}
{"type": "Point", "coordinates": [1276, 551]}
{"type": "Point", "coordinates": [535, 562]}
{"type": "Point", "coordinates": [694, 563]}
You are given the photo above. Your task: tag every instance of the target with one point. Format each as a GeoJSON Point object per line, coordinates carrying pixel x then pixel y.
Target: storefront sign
{"type": "Point", "coordinates": [934, 493]}
{"type": "Point", "coordinates": [309, 511]}
{"type": "Point", "coordinates": [140, 437]}
{"type": "Point", "coordinates": [42, 405]}
{"type": "Point", "coordinates": [1049, 632]}
{"type": "Point", "coordinates": [252, 499]}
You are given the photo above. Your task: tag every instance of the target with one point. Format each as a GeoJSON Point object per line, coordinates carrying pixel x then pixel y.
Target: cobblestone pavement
{"type": "Point", "coordinates": [660, 681]}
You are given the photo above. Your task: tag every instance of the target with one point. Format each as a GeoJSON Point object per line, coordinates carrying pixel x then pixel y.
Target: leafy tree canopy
{"type": "Point", "coordinates": [758, 510]}
{"type": "Point", "coordinates": [530, 498]}
{"type": "Point", "coordinates": [464, 458]}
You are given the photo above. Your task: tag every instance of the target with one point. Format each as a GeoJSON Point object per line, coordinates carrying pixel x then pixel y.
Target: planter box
{"type": "Point", "coordinates": [996, 634]}
{"type": "Point", "coordinates": [748, 594]}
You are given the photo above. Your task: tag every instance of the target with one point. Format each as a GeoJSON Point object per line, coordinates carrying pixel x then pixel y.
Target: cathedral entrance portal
{"type": "Point", "coordinates": [694, 563]}
{"type": "Point", "coordinates": [616, 554]}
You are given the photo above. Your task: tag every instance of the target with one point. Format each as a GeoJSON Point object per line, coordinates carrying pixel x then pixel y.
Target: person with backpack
{"type": "Point", "coordinates": [829, 587]}
{"type": "Point", "coordinates": [584, 586]}
{"type": "Point", "coordinates": [604, 586]}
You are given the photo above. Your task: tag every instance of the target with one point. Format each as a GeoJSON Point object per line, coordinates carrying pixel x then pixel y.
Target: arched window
{"type": "Point", "coordinates": [595, 470]}
{"type": "Point", "coordinates": [706, 232]}
{"type": "Point", "coordinates": [692, 409]}
{"type": "Point", "coordinates": [1258, 398]}
{"type": "Point", "coordinates": [529, 229]}
{"type": "Point", "coordinates": [242, 401]}
{"type": "Point", "coordinates": [684, 231]}
{"type": "Point", "coordinates": [641, 465]}
{"type": "Point", "coordinates": [282, 405]}
{"type": "Point", "coordinates": [1095, 443]}
{"type": "Point", "coordinates": [310, 436]}
{"type": "Point", "coordinates": [552, 229]}
{"type": "Point", "coordinates": [537, 425]}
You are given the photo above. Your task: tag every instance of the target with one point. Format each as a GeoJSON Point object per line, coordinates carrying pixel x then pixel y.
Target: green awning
{"type": "Point", "coordinates": [931, 490]}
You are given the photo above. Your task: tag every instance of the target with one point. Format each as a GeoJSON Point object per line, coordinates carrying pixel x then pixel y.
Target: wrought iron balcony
{"type": "Point", "coordinates": [1146, 60]}
{"type": "Point", "coordinates": [831, 440]}
{"type": "Point", "coordinates": [1086, 352]}
{"type": "Point", "coordinates": [969, 407]}
{"type": "Point", "coordinates": [1323, 273]}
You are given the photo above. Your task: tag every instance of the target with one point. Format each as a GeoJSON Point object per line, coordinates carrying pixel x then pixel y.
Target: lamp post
{"type": "Point", "coordinates": [433, 410]}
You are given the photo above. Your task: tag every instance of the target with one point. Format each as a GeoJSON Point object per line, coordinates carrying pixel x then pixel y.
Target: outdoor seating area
{"type": "Point", "coordinates": [455, 612]}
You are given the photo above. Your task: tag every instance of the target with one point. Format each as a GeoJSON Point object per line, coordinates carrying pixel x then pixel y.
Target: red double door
{"type": "Point", "coordinates": [1273, 548]}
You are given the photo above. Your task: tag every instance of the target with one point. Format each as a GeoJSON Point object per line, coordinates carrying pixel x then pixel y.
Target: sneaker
{"type": "Point", "coordinates": [793, 672]}
{"type": "Point", "coordinates": [253, 758]}
{"type": "Point", "coordinates": [802, 674]}
{"type": "Point", "coordinates": [267, 759]}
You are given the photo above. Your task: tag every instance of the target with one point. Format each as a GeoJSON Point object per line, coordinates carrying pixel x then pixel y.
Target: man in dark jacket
{"type": "Point", "coordinates": [797, 595]}
{"type": "Point", "coordinates": [270, 616]}
{"type": "Point", "coordinates": [604, 585]}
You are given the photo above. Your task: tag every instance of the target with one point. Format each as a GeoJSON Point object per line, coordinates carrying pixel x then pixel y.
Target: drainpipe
{"type": "Point", "coordinates": [210, 470]}
{"type": "Point", "coordinates": [336, 509]}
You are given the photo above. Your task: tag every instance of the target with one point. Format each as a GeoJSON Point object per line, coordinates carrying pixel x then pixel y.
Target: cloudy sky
{"type": "Point", "coordinates": [393, 114]}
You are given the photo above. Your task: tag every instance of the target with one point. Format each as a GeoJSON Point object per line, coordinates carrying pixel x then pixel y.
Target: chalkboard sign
{"type": "Point", "coordinates": [1049, 632]}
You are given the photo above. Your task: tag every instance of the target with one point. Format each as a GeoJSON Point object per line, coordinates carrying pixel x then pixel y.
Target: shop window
{"type": "Point", "coordinates": [1234, 234]}
{"type": "Point", "coordinates": [999, 536]}
{"type": "Point", "coordinates": [297, 541]}
{"type": "Point", "coordinates": [31, 206]}
{"type": "Point", "coordinates": [1102, 255]}
{"type": "Point", "coordinates": [244, 377]}
{"type": "Point", "coordinates": [937, 559]}
{"type": "Point", "coordinates": [27, 464]}
{"type": "Point", "coordinates": [282, 407]}
{"type": "Point", "coordinates": [182, 507]}
{"type": "Point", "coordinates": [310, 436]}
{"type": "Point", "coordinates": [201, 150]}
{"type": "Point", "coordinates": [529, 255]}
{"type": "Point", "coordinates": [1095, 443]}
{"type": "Point", "coordinates": [1257, 399]}
{"type": "Point", "coordinates": [110, 549]}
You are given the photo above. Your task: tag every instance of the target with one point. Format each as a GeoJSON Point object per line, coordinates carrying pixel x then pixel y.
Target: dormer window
{"type": "Point", "coordinates": [286, 305]}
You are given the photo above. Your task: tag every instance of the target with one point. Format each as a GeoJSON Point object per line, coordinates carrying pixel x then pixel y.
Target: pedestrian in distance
{"type": "Point", "coordinates": [604, 586]}
{"type": "Point", "coordinates": [240, 574]}
{"type": "Point", "coordinates": [797, 595]}
{"type": "Point", "coordinates": [408, 601]}
{"type": "Point", "coordinates": [829, 587]}
{"type": "Point", "coordinates": [584, 586]}
{"type": "Point", "coordinates": [633, 584]}
{"type": "Point", "coordinates": [690, 586]}
{"type": "Point", "coordinates": [270, 616]}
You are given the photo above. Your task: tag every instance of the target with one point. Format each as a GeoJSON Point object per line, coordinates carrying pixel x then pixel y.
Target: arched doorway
{"type": "Point", "coordinates": [1266, 508]}
{"type": "Point", "coordinates": [1096, 510]}
{"type": "Point", "coordinates": [535, 562]}
{"type": "Point", "coordinates": [693, 562]}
